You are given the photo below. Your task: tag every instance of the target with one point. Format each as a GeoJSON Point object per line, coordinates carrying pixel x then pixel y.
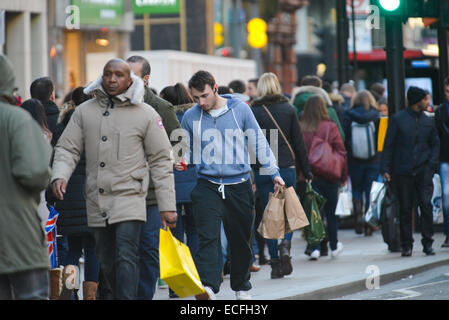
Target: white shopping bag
{"type": "Point", "coordinates": [344, 204]}
{"type": "Point", "coordinates": [437, 205]}
{"type": "Point", "coordinates": [377, 193]}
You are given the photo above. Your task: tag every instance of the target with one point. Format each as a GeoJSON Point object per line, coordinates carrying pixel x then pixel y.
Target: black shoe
{"type": "Point", "coordinates": [406, 252]}
{"type": "Point", "coordinates": [428, 251]}
{"type": "Point", "coordinates": [286, 264]}
{"type": "Point", "coordinates": [276, 271]}
{"type": "Point", "coordinates": [172, 294]}
{"type": "Point", "coordinates": [309, 250]}
{"type": "Point", "coordinates": [445, 243]}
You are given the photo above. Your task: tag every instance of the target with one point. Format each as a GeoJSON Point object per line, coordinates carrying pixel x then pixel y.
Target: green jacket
{"type": "Point", "coordinates": [170, 121]}
{"type": "Point", "coordinates": [302, 94]}
{"type": "Point", "coordinates": [24, 173]}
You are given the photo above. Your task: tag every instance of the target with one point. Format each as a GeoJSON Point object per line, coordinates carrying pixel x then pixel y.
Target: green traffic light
{"type": "Point", "coordinates": [390, 5]}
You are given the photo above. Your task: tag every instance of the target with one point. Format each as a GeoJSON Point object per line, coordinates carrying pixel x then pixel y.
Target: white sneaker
{"type": "Point", "coordinates": [208, 294]}
{"type": "Point", "coordinates": [243, 295]}
{"type": "Point", "coordinates": [336, 252]}
{"type": "Point", "coordinates": [315, 255]}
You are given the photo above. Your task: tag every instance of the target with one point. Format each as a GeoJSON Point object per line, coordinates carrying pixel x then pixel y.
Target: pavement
{"type": "Point", "coordinates": [354, 270]}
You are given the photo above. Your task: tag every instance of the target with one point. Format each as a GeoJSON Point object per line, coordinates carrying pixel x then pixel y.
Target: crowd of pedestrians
{"type": "Point", "coordinates": [201, 161]}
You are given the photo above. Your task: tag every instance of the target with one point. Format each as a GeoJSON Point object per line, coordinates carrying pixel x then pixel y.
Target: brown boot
{"type": "Point", "coordinates": [55, 283]}
{"type": "Point", "coordinates": [358, 215]}
{"type": "Point", "coordinates": [69, 278]}
{"type": "Point", "coordinates": [90, 290]}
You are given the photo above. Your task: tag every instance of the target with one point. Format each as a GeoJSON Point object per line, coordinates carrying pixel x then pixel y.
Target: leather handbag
{"type": "Point", "coordinates": [324, 161]}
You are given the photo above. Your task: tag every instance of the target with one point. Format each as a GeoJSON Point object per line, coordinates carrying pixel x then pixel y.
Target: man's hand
{"type": "Point", "coordinates": [59, 187]}
{"type": "Point", "coordinates": [386, 176]}
{"type": "Point", "coordinates": [168, 219]}
{"type": "Point", "coordinates": [278, 182]}
{"type": "Point", "coordinates": [181, 165]}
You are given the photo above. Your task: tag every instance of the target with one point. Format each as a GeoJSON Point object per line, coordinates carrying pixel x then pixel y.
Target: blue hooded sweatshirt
{"type": "Point", "coordinates": [223, 147]}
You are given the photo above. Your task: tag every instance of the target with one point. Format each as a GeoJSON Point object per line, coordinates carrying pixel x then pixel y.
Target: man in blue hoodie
{"type": "Point", "coordinates": [224, 193]}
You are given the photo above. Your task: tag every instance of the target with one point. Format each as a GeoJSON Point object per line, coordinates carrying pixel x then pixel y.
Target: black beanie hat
{"type": "Point", "coordinates": [415, 94]}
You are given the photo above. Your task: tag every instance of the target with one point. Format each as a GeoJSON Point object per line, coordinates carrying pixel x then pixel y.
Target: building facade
{"type": "Point", "coordinates": [25, 40]}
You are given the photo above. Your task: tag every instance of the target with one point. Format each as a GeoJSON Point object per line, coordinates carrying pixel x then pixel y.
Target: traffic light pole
{"type": "Point", "coordinates": [443, 60]}
{"type": "Point", "coordinates": [342, 43]}
{"type": "Point", "coordinates": [395, 64]}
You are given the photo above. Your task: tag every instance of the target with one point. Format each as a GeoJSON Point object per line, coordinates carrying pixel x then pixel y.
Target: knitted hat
{"type": "Point", "coordinates": [415, 94]}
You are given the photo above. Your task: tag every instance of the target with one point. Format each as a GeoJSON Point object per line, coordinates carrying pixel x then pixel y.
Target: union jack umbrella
{"type": "Point", "coordinates": [50, 230]}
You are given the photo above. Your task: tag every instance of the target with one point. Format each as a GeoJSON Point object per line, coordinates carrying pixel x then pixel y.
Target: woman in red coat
{"type": "Point", "coordinates": [315, 124]}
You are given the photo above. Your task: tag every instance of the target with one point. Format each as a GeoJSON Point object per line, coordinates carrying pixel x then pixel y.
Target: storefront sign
{"type": "Point", "coordinates": [156, 6]}
{"type": "Point", "coordinates": [100, 12]}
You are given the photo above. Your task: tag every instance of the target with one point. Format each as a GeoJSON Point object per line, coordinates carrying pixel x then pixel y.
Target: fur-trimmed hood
{"type": "Point", "coordinates": [270, 99]}
{"type": "Point", "coordinates": [311, 89]}
{"type": "Point", "coordinates": [134, 94]}
{"type": "Point", "coordinates": [183, 107]}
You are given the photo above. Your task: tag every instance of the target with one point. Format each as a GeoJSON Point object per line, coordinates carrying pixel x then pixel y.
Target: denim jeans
{"type": "Point", "coordinates": [25, 285]}
{"type": "Point", "coordinates": [186, 225]}
{"type": "Point", "coordinates": [362, 177]}
{"type": "Point", "coordinates": [265, 185]}
{"type": "Point", "coordinates": [149, 254]}
{"type": "Point", "coordinates": [91, 265]}
{"type": "Point", "coordinates": [117, 248]}
{"type": "Point", "coordinates": [444, 175]}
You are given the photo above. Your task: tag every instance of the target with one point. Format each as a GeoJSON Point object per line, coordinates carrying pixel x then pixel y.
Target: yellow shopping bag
{"type": "Point", "coordinates": [383, 126]}
{"type": "Point", "coordinates": [177, 267]}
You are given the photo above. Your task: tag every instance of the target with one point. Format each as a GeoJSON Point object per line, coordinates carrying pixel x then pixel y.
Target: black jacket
{"type": "Point", "coordinates": [442, 125]}
{"type": "Point", "coordinates": [411, 144]}
{"type": "Point", "coordinates": [52, 113]}
{"type": "Point", "coordinates": [72, 218]}
{"type": "Point", "coordinates": [360, 115]}
{"type": "Point", "coordinates": [285, 115]}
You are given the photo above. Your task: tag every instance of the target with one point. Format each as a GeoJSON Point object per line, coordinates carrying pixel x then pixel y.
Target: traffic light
{"type": "Point", "coordinates": [319, 43]}
{"type": "Point", "coordinates": [219, 38]}
{"type": "Point", "coordinates": [257, 33]}
{"type": "Point", "coordinates": [393, 8]}
{"type": "Point", "coordinates": [408, 8]}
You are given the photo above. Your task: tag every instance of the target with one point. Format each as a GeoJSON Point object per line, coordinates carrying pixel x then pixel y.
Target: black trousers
{"type": "Point", "coordinates": [407, 187]}
{"type": "Point", "coordinates": [236, 214]}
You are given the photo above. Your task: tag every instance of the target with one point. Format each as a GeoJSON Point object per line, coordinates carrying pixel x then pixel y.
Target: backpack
{"type": "Point", "coordinates": [363, 140]}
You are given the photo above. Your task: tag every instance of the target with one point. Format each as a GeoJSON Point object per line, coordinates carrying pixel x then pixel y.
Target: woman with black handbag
{"type": "Point", "coordinates": [327, 158]}
{"type": "Point", "coordinates": [274, 112]}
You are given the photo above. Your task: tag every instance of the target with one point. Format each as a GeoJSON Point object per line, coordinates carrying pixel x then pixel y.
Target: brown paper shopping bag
{"type": "Point", "coordinates": [273, 221]}
{"type": "Point", "coordinates": [295, 216]}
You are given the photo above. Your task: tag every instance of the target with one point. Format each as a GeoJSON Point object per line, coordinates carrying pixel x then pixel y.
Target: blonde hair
{"type": "Point", "coordinates": [364, 98]}
{"type": "Point", "coordinates": [268, 85]}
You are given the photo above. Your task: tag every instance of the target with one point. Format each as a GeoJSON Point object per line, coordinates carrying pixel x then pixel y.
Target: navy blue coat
{"type": "Point", "coordinates": [72, 218]}
{"type": "Point", "coordinates": [411, 145]}
{"type": "Point", "coordinates": [185, 181]}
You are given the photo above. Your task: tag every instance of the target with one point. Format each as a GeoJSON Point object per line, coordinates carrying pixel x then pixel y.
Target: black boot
{"type": "Point", "coordinates": [286, 264]}
{"type": "Point", "coordinates": [261, 247]}
{"type": "Point", "coordinates": [276, 271]}
{"type": "Point", "coordinates": [358, 215]}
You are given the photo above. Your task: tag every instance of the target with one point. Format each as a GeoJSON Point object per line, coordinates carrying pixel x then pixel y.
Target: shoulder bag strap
{"type": "Point", "coordinates": [282, 133]}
